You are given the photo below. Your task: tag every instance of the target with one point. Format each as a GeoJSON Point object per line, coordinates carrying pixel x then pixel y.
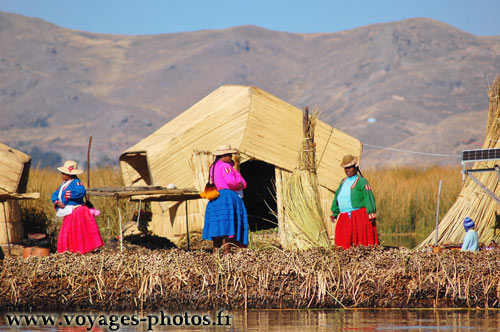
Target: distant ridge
{"type": "Point", "coordinates": [417, 84]}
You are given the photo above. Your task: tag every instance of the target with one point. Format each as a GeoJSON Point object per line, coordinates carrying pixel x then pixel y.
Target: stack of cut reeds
{"type": "Point", "coordinates": [178, 280]}
{"type": "Point", "coordinates": [473, 202]}
{"type": "Point", "coordinates": [303, 225]}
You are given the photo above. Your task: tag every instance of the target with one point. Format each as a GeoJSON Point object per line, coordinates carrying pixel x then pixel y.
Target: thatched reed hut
{"type": "Point", "coordinates": [268, 134]}
{"type": "Point", "coordinates": [472, 201]}
{"type": "Point", "coordinates": [14, 171]}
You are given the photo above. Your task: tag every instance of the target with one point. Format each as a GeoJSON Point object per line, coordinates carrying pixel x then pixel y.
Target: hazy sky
{"type": "Point", "coordinates": [479, 17]}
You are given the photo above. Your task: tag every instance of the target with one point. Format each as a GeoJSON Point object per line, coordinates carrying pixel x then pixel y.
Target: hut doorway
{"type": "Point", "coordinates": [260, 195]}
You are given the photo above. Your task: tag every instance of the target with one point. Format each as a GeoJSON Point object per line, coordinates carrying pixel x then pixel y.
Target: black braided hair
{"type": "Point", "coordinates": [213, 165]}
{"type": "Point", "coordinates": [359, 171]}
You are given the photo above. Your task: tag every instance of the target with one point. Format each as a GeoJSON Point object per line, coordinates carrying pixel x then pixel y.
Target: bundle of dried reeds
{"type": "Point", "coordinates": [199, 280]}
{"type": "Point", "coordinates": [303, 225]}
{"type": "Point", "coordinates": [473, 202]}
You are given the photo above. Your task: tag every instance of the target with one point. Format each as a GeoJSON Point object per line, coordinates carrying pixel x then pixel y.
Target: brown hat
{"type": "Point", "coordinates": [70, 167]}
{"type": "Point", "coordinates": [224, 149]}
{"type": "Point", "coordinates": [349, 160]}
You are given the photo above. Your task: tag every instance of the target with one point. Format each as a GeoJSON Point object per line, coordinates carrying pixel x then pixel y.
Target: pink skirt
{"type": "Point", "coordinates": [79, 232]}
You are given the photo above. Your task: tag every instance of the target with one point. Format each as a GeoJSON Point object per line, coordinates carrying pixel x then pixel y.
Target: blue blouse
{"type": "Point", "coordinates": [77, 192]}
{"type": "Point", "coordinates": [344, 197]}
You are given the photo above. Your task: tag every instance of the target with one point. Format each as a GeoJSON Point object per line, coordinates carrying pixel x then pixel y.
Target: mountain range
{"type": "Point", "coordinates": [413, 85]}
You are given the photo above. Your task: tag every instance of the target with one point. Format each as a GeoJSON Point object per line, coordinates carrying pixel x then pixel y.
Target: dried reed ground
{"type": "Point", "coordinates": [198, 280]}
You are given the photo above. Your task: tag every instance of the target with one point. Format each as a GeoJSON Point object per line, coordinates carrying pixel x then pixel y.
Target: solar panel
{"type": "Point", "coordinates": [480, 154]}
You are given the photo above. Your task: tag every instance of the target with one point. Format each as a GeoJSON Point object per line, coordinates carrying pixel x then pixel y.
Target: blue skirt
{"type": "Point", "coordinates": [226, 216]}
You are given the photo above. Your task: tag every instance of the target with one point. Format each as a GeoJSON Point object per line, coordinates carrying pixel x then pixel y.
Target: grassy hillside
{"type": "Point", "coordinates": [420, 82]}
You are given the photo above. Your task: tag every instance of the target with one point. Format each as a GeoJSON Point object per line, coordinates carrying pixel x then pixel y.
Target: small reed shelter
{"type": "Point", "coordinates": [14, 172]}
{"type": "Point", "coordinates": [268, 134]}
{"type": "Point", "coordinates": [477, 198]}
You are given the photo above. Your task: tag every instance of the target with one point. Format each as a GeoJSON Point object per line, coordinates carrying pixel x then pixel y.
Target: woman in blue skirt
{"type": "Point", "coordinates": [226, 218]}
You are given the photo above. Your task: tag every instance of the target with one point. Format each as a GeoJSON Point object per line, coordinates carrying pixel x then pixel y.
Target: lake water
{"type": "Point", "coordinates": [279, 320]}
{"type": "Point", "coordinates": [407, 241]}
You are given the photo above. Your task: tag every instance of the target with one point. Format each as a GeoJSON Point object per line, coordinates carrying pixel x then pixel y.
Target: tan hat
{"type": "Point", "coordinates": [70, 167]}
{"type": "Point", "coordinates": [224, 149]}
{"type": "Point", "coordinates": [349, 160]}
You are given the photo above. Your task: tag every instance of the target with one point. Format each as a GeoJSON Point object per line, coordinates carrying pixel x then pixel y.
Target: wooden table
{"type": "Point", "coordinates": [146, 194]}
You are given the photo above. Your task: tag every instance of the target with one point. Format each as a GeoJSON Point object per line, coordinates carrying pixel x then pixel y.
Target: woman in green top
{"type": "Point", "coordinates": [354, 209]}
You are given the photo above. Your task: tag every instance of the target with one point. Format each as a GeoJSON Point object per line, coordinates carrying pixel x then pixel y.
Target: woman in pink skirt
{"type": "Point", "coordinates": [79, 232]}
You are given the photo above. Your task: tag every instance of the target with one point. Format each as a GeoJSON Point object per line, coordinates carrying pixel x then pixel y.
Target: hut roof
{"type": "Point", "coordinates": [258, 124]}
{"type": "Point", "coordinates": [472, 201]}
{"type": "Point", "coordinates": [14, 167]}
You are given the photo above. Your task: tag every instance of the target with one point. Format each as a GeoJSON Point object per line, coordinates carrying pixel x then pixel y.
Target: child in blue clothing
{"type": "Point", "coordinates": [471, 238]}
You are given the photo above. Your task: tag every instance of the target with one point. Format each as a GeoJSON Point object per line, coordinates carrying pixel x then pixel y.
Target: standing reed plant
{"type": "Point", "coordinates": [406, 198]}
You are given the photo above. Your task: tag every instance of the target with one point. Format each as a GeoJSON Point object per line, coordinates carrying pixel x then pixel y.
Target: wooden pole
{"type": "Point", "coordinates": [187, 226]}
{"type": "Point", "coordinates": [120, 221]}
{"type": "Point", "coordinates": [139, 213]}
{"type": "Point", "coordinates": [309, 146]}
{"type": "Point", "coordinates": [88, 162]}
{"type": "Point", "coordinates": [305, 121]}
{"type": "Point", "coordinates": [437, 214]}
{"type": "Point", "coordinates": [312, 145]}
{"type": "Point", "coordinates": [305, 129]}
{"type": "Point", "coordinates": [88, 172]}
{"type": "Point", "coordinates": [6, 227]}
{"type": "Point", "coordinates": [486, 190]}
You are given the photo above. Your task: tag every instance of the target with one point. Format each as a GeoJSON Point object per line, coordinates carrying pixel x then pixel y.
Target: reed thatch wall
{"type": "Point", "coordinates": [261, 126]}
{"type": "Point", "coordinates": [14, 168]}
{"type": "Point", "coordinates": [11, 227]}
{"type": "Point", "coordinates": [473, 202]}
{"type": "Point", "coordinates": [14, 172]}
